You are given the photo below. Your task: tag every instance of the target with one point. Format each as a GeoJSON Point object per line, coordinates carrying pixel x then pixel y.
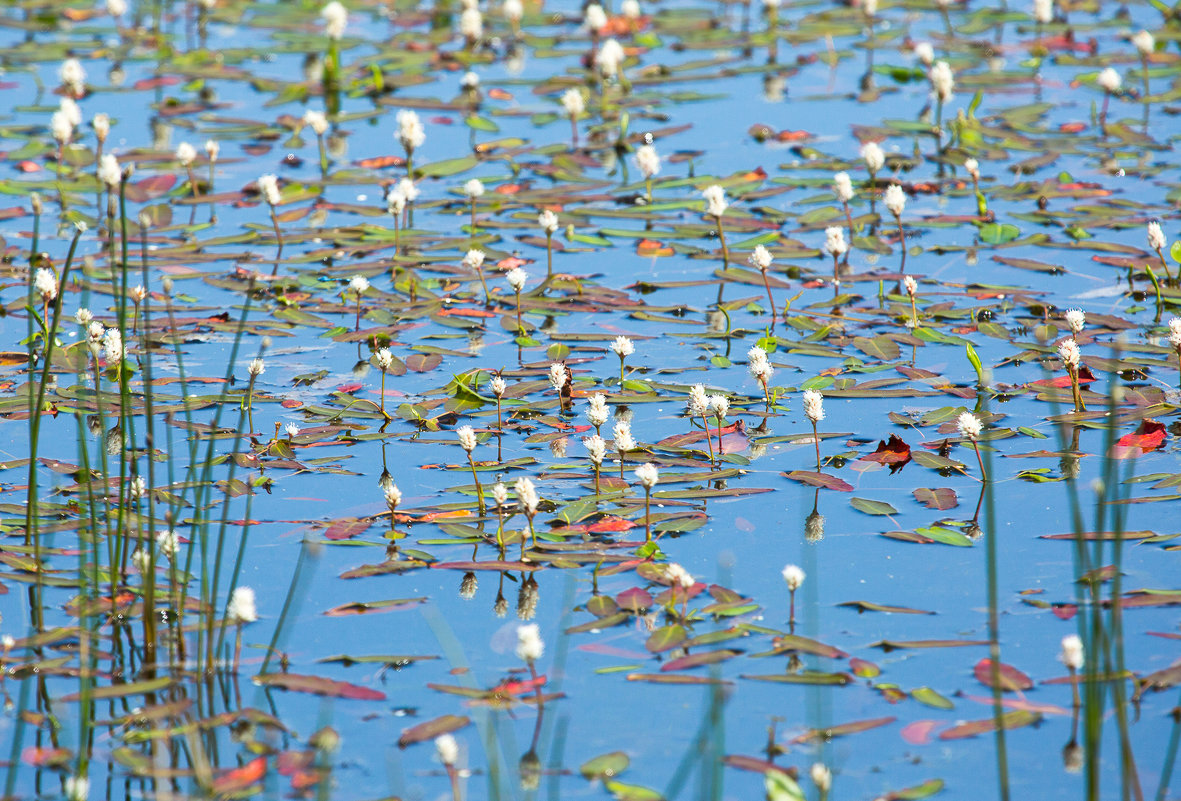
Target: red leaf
{"type": "Point", "coordinates": [150, 188]}
{"type": "Point", "coordinates": [238, 779]}
{"type": "Point", "coordinates": [652, 247]}
{"type": "Point", "coordinates": [318, 685]}
{"type": "Point", "coordinates": [823, 480]}
{"type": "Point", "coordinates": [636, 600]}
{"type": "Point", "coordinates": [1008, 678]}
{"type": "Point", "coordinates": [156, 83]}
{"type": "Point", "coordinates": [919, 732]}
{"type": "Point", "coordinates": [522, 687]}
{"type": "Point", "coordinates": [610, 525]}
{"type": "Point", "coordinates": [378, 162]}
{"type": "Point", "coordinates": [894, 453]}
{"type": "Point", "coordinates": [347, 528]}
{"type": "Point", "coordinates": [1064, 611]}
{"type": "Point", "coordinates": [1150, 436]}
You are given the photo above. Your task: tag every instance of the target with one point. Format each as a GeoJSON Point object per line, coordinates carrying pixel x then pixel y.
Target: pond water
{"type": "Point", "coordinates": [919, 657]}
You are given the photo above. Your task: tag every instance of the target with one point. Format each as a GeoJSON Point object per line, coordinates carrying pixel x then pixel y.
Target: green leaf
{"type": "Point", "coordinates": [605, 766]}
{"type": "Point", "coordinates": [871, 507]}
{"type": "Point", "coordinates": [481, 124]}
{"type": "Point", "coordinates": [925, 695]}
{"type": "Point", "coordinates": [998, 233]}
{"type": "Point", "coordinates": [781, 787]}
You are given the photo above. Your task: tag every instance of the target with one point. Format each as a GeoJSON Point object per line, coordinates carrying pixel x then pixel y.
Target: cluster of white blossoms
{"type": "Point", "coordinates": [622, 346]}
{"type": "Point", "coordinates": [760, 258]}
{"type": "Point", "coordinates": [1109, 80]}
{"type": "Point", "coordinates": [610, 58]}
{"type": "Point", "coordinates": [834, 241]}
{"type": "Point", "coordinates": [969, 426]}
{"type": "Point", "coordinates": [842, 187]}
{"type": "Point", "coordinates": [268, 186]}
{"type": "Point", "coordinates": [410, 131]}
{"type": "Point", "coordinates": [874, 156]}
{"type": "Point", "coordinates": [648, 160]}
{"type": "Point", "coordinates": [530, 646]}
{"type": "Point", "coordinates": [942, 80]}
{"type": "Point", "coordinates": [1072, 652]}
{"type": "Point", "coordinates": [573, 102]}
{"type": "Point", "coordinates": [316, 120]}
{"type": "Point", "coordinates": [759, 365]}
{"type": "Point", "coordinates": [895, 199]}
{"type": "Point", "coordinates": [1043, 11]}
{"type": "Point", "coordinates": [516, 278]}
{"type": "Point", "coordinates": [336, 19]}
{"type": "Point", "coordinates": [1156, 237]}
{"type": "Point", "coordinates": [678, 576]}
{"type": "Point", "coordinates": [794, 576]}
{"type": "Point", "coordinates": [715, 200]}
{"type": "Point", "coordinates": [548, 222]}
{"type": "Point", "coordinates": [813, 405]}
{"type": "Point", "coordinates": [596, 410]}
{"type": "Point", "coordinates": [621, 432]}
{"type": "Point", "coordinates": [648, 474]}
{"type": "Point", "coordinates": [1068, 352]}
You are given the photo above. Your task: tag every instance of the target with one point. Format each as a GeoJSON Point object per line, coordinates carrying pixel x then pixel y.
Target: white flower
{"type": "Point", "coordinates": [83, 317]}
{"type": "Point", "coordinates": [516, 278]}
{"type": "Point", "coordinates": [500, 493]}
{"type": "Point", "coordinates": [113, 345]}
{"type": "Point", "coordinates": [474, 188]}
{"type": "Point", "coordinates": [1156, 237]}
{"type": "Point", "coordinates": [467, 438]}
{"type": "Point", "coordinates": [138, 293]}
{"type": "Point", "coordinates": [821, 777]}
{"type": "Point", "coordinates": [813, 405]}
{"type": "Point", "coordinates": [623, 347]}
{"type": "Point", "coordinates": [513, 10]}
{"type": "Point", "coordinates": [596, 448]}
{"type": "Point", "coordinates": [291, 429]}
{"type": "Point", "coordinates": [212, 149]}
{"type": "Point", "coordinates": [761, 258]}
{"type": "Point", "coordinates": [548, 221]}
{"type": "Point", "coordinates": [473, 259]}
{"type": "Point", "coordinates": [678, 576]}
{"type": "Point", "coordinates": [942, 80]}
{"type": "Point", "coordinates": [698, 402]}
{"type": "Point", "coordinates": [395, 203]}
{"type": "Point", "coordinates": [168, 542]}
{"type": "Point", "coordinates": [648, 475]}
{"type": "Point", "coordinates": [470, 81]}
{"type": "Point", "coordinates": [358, 284]}
{"type": "Point", "coordinates": [186, 154]}
{"type": "Point", "coordinates": [1144, 43]}
{"type": "Point", "coordinates": [256, 367]}
{"type": "Point", "coordinates": [139, 487]}
{"type": "Point", "coordinates": [895, 199]}
{"type": "Point", "coordinates": [471, 24]}
{"type": "Point", "coordinates": [875, 159]}
{"type": "Point", "coordinates": [72, 111]}
{"type": "Point", "coordinates": [410, 131]}
{"type": "Point", "coordinates": [969, 425]}
{"type": "Point", "coordinates": [719, 405]}
{"type": "Point", "coordinates": [108, 170]}
{"type": "Point", "coordinates": [1075, 320]}
{"type": "Point", "coordinates": [912, 286]}
{"type": "Point", "coordinates": [529, 643]}
{"type": "Point", "coordinates": [1109, 80]}
{"type": "Point", "coordinates": [385, 359]}
{"type": "Point", "coordinates": [527, 494]}
{"type": "Point", "coordinates": [794, 577]}
{"type": "Point", "coordinates": [61, 127]}
{"type": "Point", "coordinates": [241, 608]}
{"type": "Point", "coordinates": [557, 375]}
{"type": "Point", "coordinates": [96, 331]}
{"type": "Point", "coordinates": [498, 386]}
{"type": "Point", "coordinates": [336, 19]}
{"type": "Point", "coordinates": [834, 240]}
{"type": "Point", "coordinates": [715, 200]}
{"type": "Point", "coordinates": [1068, 352]}
{"type": "Point", "coordinates": [622, 433]}
{"type": "Point", "coordinates": [842, 187]}
{"type": "Point", "coordinates": [610, 58]}
{"type": "Point", "coordinates": [573, 102]}
{"type": "Point", "coordinates": [77, 788]}
{"type": "Point", "coordinates": [973, 168]}
{"type": "Point", "coordinates": [924, 53]}
{"type": "Point", "coordinates": [648, 160]}
{"type": "Point", "coordinates": [45, 282]}
{"type": "Point", "coordinates": [101, 123]}
{"type": "Point", "coordinates": [597, 411]}
{"type": "Point", "coordinates": [142, 560]}
{"type": "Point", "coordinates": [316, 121]}
{"type": "Point", "coordinates": [1072, 652]}
{"type": "Point", "coordinates": [757, 358]}
{"type": "Point", "coordinates": [72, 76]}
{"type": "Point", "coordinates": [1043, 11]}
{"type": "Point", "coordinates": [268, 185]}
{"type": "Point", "coordinates": [408, 188]}
{"type": "Point", "coordinates": [1174, 327]}
{"type": "Point", "coordinates": [447, 749]}
{"type": "Point", "coordinates": [8, 642]}
{"type": "Point", "coordinates": [630, 9]}
{"type": "Point", "coordinates": [594, 17]}
{"type": "Point", "coordinates": [393, 496]}
{"type": "Point", "coordinates": [116, 8]}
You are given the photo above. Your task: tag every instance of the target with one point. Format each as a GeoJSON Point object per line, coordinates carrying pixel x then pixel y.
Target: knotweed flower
{"type": "Point", "coordinates": [1071, 656]}
{"type": "Point", "coordinates": [596, 411]}
{"type": "Point", "coordinates": [969, 426]}
{"type": "Point", "coordinates": [648, 475]}
{"type": "Point", "coordinates": [1076, 320]}
{"type": "Point", "coordinates": [822, 778]}
{"type": "Point", "coordinates": [679, 579]}
{"type": "Point", "coordinates": [385, 363]}
{"type": "Point", "coordinates": [549, 224]}
{"type": "Point", "coordinates": [530, 502]}
{"type": "Point", "coordinates": [624, 441]}
{"type": "Point", "coordinates": [468, 441]}
{"type": "Point", "coordinates": [336, 19]}
{"type": "Point", "coordinates": [596, 449]}
{"type": "Point", "coordinates": [268, 186]}
{"type": "Point", "coordinates": [1068, 351]}
{"type": "Point", "coordinates": [473, 190]}
{"type": "Point", "coordinates": [575, 105]}
{"type": "Point", "coordinates": [513, 11]}
{"type": "Point", "coordinates": [318, 122]}
{"type": "Point", "coordinates": [559, 379]}
{"type": "Point", "coordinates": [109, 172]}
{"type": "Point", "coordinates": [623, 348]}
{"type": "Point", "coordinates": [1043, 11]}
{"type": "Point", "coordinates": [760, 369]}
{"type": "Point", "coordinates": [715, 206]}
{"type": "Point", "coordinates": [241, 610]}
{"type": "Point", "coordinates": [1109, 81]}
{"type": "Point", "coordinates": [874, 158]}
{"type": "Point", "coordinates": [814, 411]}
{"type": "Point", "coordinates": [719, 407]}
{"type": "Point", "coordinates": [1158, 242]}
{"type": "Point", "coordinates": [834, 243]}
{"type": "Point", "coordinates": [168, 541]}
{"type": "Point", "coordinates": [843, 189]}
{"type": "Point", "coordinates": [896, 203]}
{"type": "Point", "coordinates": [412, 136]}
{"type": "Point", "coordinates": [943, 84]}
{"type": "Point", "coordinates": [610, 59]}
{"type": "Point", "coordinates": [697, 405]}
{"type": "Point", "coordinates": [648, 160]}
{"type": "Point", "coordinates": [474, 260]}
{"type": "Point", "coordinates": [925, 53]}
{"type": "Point", "coordinates": [358, 285]}
{"type": "Point", "coordinates": [77, 788]}
{"type": "Point", "coordinates": [72, 77]}
{"type": "Point", "coordinates": [794, 577]}
{"type": "Point", "coordinates": [912, 289]}
{"type": "Point", "coordinates": [471, 26]}
{"type": "Point", "coordinates": [516, 278]}
{"type": "Point", "coordinates": [761, 259]}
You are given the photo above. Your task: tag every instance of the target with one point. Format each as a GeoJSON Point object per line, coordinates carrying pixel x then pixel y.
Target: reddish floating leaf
{"type": "Point", "coordinates": [895, 453]}
{"type": "Point", "coordinates": [432, 729]}
{"type": "Point", "coordinates": [822, 480]}
{"type": "Point", "coordinates": [941, 498]}
{"type": "Point", "coordinates": [1009, 720]}
{"type": "Point", "coordinates": [318, 685]}
{"type": "Point", "coordinates": [239, 779]}
{"type": "Point", "coordinates": [1150, 436]}
{"type": "Point", "coordinates": [347, 528]}
{"type": "Point", "coordinates": [1008, 678]}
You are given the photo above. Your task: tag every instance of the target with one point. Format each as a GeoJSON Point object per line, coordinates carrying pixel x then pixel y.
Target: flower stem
{"type": "Point", "coordinates": [816, 439]}
{"type": "Point", "coordinates": [479, 489]}
{"type": "Point", "coordinates": [725, 250]}
{"type": "Point", "coordinates": [647, 516]}
{"type": "Point", "coordinates": [980, 460]}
